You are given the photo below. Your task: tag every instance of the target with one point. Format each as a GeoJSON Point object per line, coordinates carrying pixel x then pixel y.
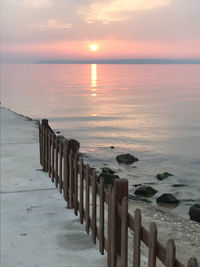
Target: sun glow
{"type": "Point", "coordinates": [94, 47]}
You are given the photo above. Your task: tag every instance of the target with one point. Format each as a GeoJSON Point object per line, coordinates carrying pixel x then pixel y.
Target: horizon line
{"type": "Point", "coordinates": [120, 61]}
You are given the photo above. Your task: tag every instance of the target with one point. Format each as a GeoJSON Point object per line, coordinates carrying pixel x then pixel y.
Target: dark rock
{"type": "Point", "coordinates": [106, 170]}
{"type": "Point", "coordinates": [146, 191]}
{"type": "Point", "coordinates": [58, 132]}
{"type": "Point", "coordinates": [179, 185]}
{"type": "Point", "coordinates": [108, 176]}
{"type": "Point", "coordinates": [126, 158]}
{"type": "Point", "coordinates": [167, 198]}
{"type": "Point", "coordinates": [162, 176]}
{"type": "Point", "coordinates": [194, 212]}
{"type": "Point", "coordinates": [136, 185]}
{"type": "Point", "coordinates": [132, 197]}
{"type": "Point", "coordinates": [145, 200]}
{"type": "Point", "coordinates": [112, 147]}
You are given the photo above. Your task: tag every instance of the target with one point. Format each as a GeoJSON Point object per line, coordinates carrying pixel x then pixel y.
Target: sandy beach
{"type": "Point", "coordinates": [36, 227]}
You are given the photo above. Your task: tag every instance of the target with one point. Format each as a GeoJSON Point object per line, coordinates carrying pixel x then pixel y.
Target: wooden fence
{"type": "Point", "coordinates": [108, 218]}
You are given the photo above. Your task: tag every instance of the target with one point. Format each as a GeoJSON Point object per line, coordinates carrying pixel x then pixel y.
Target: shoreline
{"type": "Point", "coordinates": [186, 233]}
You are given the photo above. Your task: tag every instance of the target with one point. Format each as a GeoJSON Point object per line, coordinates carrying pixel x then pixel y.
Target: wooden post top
{"type": "Point", "coordinates": [45, 122]}
{"type": "Point", "coordinates": [74, 144]}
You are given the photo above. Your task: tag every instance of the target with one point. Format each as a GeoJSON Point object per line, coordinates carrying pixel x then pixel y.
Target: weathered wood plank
{"type": "Point", "coordinates": [56, 167]}
{"type": "Point", "coordinates": [66, 171]}
{"type": "Point", "coordinates": [193, 262]}
{"type": "Point", "coordinates": [60, 165]}
{"type": "Point", "coordinates": [87, 200]}
{"type": "Point", "coordinates": [43, 146]}
{"type": "Point", "coordinates": [124, 233]}
{"type": "Point", "coordinates": [40, 141]}
{"type": "Point", "coordinates": [170, 253]}
{"type": "Point", "coordinates": [121, 191]}
{"type": "Point", "coordinates": [109, 226]}
{"type": "Point", "coordinates": [44, 126]}
{"type": "Point", "coordinates": [94, 207]}
{"type": "Point", "coordinates": [101, 220]}
{"type": "Point", "coordinates": [46, 150]}
{"type": "Point", "coordinates": [71, 179]}
{"type": "Point", "coordinates": [152, 245]}
{"type": "Point", "coordinates": [137, 239]}
{"type": "Point", "coordinates": [52, 157]}
{"type": "Point", "coordinates": [113, 223]}
{"type": "Point", "coordinates": [75, 165]}
{"type": "Point", "coordinates": [49, 152]}
{"type": "Point", "coordinates": [81, 191]}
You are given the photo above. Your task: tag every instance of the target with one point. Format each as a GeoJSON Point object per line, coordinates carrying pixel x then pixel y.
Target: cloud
{"type": "Point", "coordinates": [51, 24]}
{"type": "Point", "coordinates": [117, 10]}
{"type": "Point", "coordinates": [30, 3]}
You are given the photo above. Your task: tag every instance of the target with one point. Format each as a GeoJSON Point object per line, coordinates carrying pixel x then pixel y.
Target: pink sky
{"type": "Point", "coordinates": [64, 29]}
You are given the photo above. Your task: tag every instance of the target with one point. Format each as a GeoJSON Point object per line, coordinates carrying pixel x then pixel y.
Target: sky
{"type": "Point", "coordinates": [35, 30]}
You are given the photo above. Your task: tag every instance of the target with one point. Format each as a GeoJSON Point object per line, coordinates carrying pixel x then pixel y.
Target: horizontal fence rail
{"type": "Point", "coordinates": [103, 209]}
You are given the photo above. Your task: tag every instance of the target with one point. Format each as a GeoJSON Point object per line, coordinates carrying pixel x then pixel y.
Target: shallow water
{"type": "Point", "coordinates": [151, 111]}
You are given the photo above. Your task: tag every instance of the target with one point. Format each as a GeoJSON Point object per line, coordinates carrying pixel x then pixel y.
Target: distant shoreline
{"type": "Point", "coordinates": [121, 61]}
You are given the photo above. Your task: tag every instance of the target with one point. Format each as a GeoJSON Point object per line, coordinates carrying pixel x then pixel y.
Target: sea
{"type": "Point", "coordinates": [150, 111]}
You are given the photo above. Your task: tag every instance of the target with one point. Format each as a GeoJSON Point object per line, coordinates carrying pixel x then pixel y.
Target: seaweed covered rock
{"type": "Point", "coordinates": [146, 191]}
{"type": "Point", "coordinates": [167, 198]}
{"type": "Point", "coordinates": [108, 176]}
{"type": "Point", "coordinates": [194, 212]}
{"type": "Point", "coordinates": [126, 158]}
{"type": "Point", "coordinates": [163, 176]}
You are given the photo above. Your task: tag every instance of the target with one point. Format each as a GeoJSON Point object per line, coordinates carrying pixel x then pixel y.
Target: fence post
{"type": "Point", "coordinates": [124, 233]}
{"type": "Point", "coordinates": [49, 153]}
{"type": "Point", "coordinates": [109, 225]}
{"type": "Point", "coordinates": [119, 191]}
{"type": "Point", "coordinates": [152, 245]}
{"type": "Point", "coordinates": [60, 164]}
{"type": "Point", "coordinates": [44, 145]}
{"type": "Point", "coordinates": [171, 253]}
{"type": "Point", "coordinates": [87, 199]}
{"type": "Point", "coordinates": [137, 238]}
{"type": "Point", "coordinates": [94, 206]}
{"type": "Point", "coordinates": [73, 149]}
{"type": "Point", "coordinates": [101, 212]}
{"type": "Point", "coordinates": [81, 191]}
{"type": "Point", "coordinates": [40, 140]}
{"type": "Point", "coordinates": [52, 158]}
{"type": "Point", "coordinates": [56, 167]}
{"type": "Point", "coordinates": [70, 179]}
{"type": "Point", "coordinates": [66, 171]}
{"type": "Point", "coordinates": [75, 165]}
{"type": "Point", "coordinates": [193, 262]}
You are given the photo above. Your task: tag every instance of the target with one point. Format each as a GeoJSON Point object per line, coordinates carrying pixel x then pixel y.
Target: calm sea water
{"type": "Point", "coordinates": [151, 111]}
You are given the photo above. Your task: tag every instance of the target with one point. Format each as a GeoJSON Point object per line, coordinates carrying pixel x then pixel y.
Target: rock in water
{"type": "Point", "coordinates": [164, 175]}
{"type": "Point", "coordinates": [107, 170]}
{"type": "Point", "coordinates": [194, 212]}
{"type": "Point", "coordinates": [126, 158]}
{"type": "Point", "coordinates": [167, 198]}
{"type": "Point", "coordinates": [132, 197]}
{"type": "Point", "coordinates": [146, 191]}
{"type": "Point", "coordinates": [108, 176]}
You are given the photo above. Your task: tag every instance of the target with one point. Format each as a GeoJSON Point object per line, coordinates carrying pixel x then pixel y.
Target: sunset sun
{"type": "Point", "coordinates": [94, 47]}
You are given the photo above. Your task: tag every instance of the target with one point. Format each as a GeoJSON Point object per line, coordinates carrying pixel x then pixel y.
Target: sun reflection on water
{"type": "Point", "coordinates": [93, 84]}
{"type": "Point", "coordinates": [93, 76]}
